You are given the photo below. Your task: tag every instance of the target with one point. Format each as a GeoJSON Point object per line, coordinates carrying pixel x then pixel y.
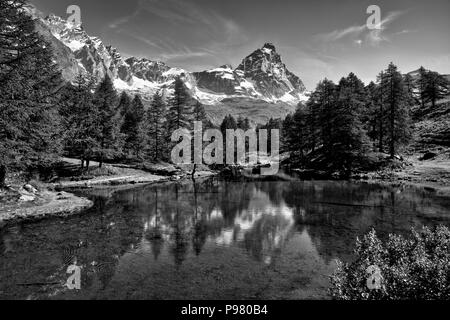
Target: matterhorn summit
{"type": "Point", "coordinates": [261, 78]}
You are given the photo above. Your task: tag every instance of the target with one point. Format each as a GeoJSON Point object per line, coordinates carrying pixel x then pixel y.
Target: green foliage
{"type": "Point", "coordinates": [414, 268]}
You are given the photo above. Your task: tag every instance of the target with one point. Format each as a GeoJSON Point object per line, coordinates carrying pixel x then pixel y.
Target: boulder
{"type": "Point", "coordinates": [27, 198]}
{"type": "Point", "coordinates": [29, 188]}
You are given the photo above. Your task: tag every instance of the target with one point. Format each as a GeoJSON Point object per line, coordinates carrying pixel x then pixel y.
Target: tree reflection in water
{"type": "Point", "coordinates": [185, 240]}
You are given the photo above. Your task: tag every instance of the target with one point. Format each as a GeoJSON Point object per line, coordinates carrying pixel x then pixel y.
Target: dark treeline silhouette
{"type": "Point", "coordinates": [125, 128]}
{"type": "Point", "coordinates": [344, 126]}
{"type": "Point", "coordinates": [42, 117]}
{"type": "Point", "coordinates": [29, 92]}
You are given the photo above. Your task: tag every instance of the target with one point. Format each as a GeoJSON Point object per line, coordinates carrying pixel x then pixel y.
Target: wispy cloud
{"type": "Point", "coordinates": [190, 30]}
{"type": "Point", "coordinates": [361, 34]}
{"type": "Point", "coordinates": [339, 34]}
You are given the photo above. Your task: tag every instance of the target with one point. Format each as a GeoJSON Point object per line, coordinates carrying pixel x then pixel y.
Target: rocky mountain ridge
{"type": "Point", "coordinates": [262, 76]}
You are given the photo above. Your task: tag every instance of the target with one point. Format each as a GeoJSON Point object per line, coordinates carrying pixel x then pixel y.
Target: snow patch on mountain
{"type": "Point", "coordinates": [262, 76]}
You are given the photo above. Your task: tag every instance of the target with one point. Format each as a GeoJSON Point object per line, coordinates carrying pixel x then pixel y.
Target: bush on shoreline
{"type": "Point", "coordinates": [414, 268]}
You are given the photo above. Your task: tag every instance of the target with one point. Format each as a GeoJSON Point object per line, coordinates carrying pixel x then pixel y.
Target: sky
{"type": "Point", "coordinates": [316, 39]}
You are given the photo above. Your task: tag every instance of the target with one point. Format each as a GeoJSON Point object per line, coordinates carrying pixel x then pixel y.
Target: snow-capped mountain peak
{"type": "Point", "coordinates": [261, 76]}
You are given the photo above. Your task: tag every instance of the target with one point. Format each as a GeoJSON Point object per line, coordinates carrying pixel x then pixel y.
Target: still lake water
{"type": "Point", "coordinates": [209, 240]}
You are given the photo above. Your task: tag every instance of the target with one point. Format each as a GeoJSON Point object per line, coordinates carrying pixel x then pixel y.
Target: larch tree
{"type": "Point", "coordinates": [156, 124]}
{"type": "Point", "coordinates": [108, 121]}
{"type": "Point", "coordinates": [421, 85]}
{"type": "Point", "coordinates": [79, 114]}
{"type": "Point", "coordinates": [436, 87]}
{"type": "Point", "coordinates": [133, 128]}
{"type": "Point", "coordinates": [180, 110]}
{"type": "Point", "coordinates": [30, 82]}
{"type": "Point", "coordinates": [349, 139]}
{"type": "Point", "coordinates": [395, 100]}
{"type": "Point", "coordinates": [124, 103]}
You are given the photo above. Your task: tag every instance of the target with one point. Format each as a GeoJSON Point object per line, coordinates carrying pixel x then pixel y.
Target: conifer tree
{"type": "Point", "coordinates": [108, 121]}
{"type": "Point", "coordinates": [29, 91]}
{"type": "Point", "coordinates": [395, 100]}
{"type": "Point", "coordinates": [199, 113]}
{"type": "Point", "coordinates": [380, 117]}
{"type": "Point", "coordinates": [326, 92]}
{"type": "Point", "coordinates": [436, 87]}
{"type": "Point", "coordinates": [369, 117]}
{"type": "Point", "coordinates": [410, 89]}
{"type": "Point", "coordinates": [421, 85]}
{"type": "Point", "coordinates": [79, 116]}
{"type": "Point", "coordinates": [229, 122]}
{"type": "Point", "coordinates": [312, 107]}
{"type": "Point", "coordinates": [124, 103]}
{"type": "Point", "coordinates": [349, 140]}
{"type": "Point", "coordinates": [179, 112]}
{"type": "Point", "coordinates": [295, 133]}
{"type": "Point", "coordinates": [157, 128]}
{"type": "Point", "coordinates": [133, 128]}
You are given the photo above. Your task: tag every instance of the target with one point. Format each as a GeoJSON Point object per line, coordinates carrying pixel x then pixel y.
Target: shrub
{"type": "Point", "coordinates": [417, 268]}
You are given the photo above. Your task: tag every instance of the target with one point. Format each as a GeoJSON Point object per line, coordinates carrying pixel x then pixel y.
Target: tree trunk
{"type": "Point", "coordinates": [87, 164]}
{"type": "Point", "coordinates": [393, 102]}
{"type": "Point", "coordinates": [2, 176]}
{"type": "Point", "coordinates": [381, 128]}
{"type": "Point", "coordinates": [193, 171]}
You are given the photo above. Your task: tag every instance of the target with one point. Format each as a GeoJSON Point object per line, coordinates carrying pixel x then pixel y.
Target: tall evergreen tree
{"type": "Point", "coordinates": [326, 92]}
{"type": "Point", "coordinates": [395, 100]}
{"type": "Point", "coordinates": [410, 89]}
{"type": "Point", "coordinates": [199, 113]}
{"type": "Point", "coordinates": [349, 140]}
{"type": "Point", "coordinates": [179, 112]}
{"type": "Point", "coordinates": [157, 128]}
{"type": "Point", "coordinates": [79, 116]}
{"type": "Point", "coordinates": [229, 122]}
{"type": "Point", "coordinates": [29, 91]}
{"type": "Point", "coordinates": [295, 135]}
{"type": "Point", "coordinates": [108, 120]}
{"type": "Point", "coordinates": [421, 85]}
{"type": "Point", "coordinates": [380, 117]}
{"type": "Point", "coordinates": [133, 128]}
{"type": "Point", "coordinates": [369, 117]}
{"type": "Point", "coordinates": [124, 103]}
{"type": "Point", "coordinates": [329, 133]}
{"type": "Point", "coordinates": [436, 87]}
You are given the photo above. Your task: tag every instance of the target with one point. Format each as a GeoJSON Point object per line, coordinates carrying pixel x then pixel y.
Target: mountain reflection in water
{"type": "Point", "coordinates": [209, 240]}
